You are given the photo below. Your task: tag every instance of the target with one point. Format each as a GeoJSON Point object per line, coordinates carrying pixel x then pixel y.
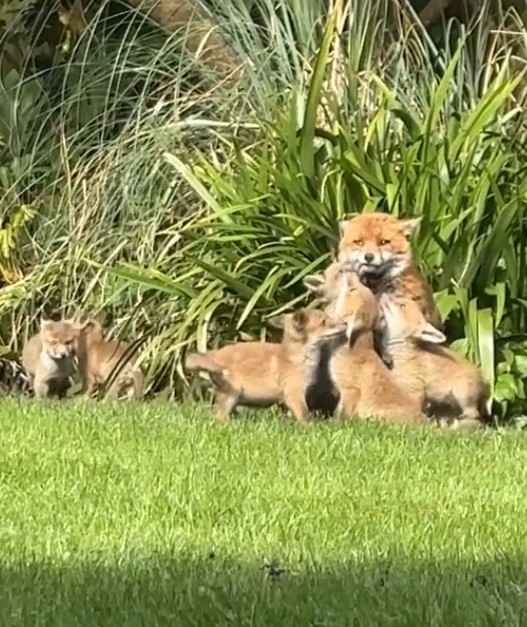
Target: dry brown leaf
{"type": "Point", "coordinates": [74, 18]}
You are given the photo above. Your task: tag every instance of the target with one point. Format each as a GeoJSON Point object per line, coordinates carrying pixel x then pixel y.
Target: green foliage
{"type": "Point", "coordinates": [191, 213]}
{"type": "Point", "coordinates": [399, 138]}
{"type": "Point", "coordinates": [81, 131]}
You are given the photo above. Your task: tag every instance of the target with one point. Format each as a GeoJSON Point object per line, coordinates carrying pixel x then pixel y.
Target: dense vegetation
{"type": "Point", "coordinates": [187, 203]}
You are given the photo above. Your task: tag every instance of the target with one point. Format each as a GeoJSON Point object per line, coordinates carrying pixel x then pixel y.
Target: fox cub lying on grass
{"type": "Point", "coordinates": [62, 348]}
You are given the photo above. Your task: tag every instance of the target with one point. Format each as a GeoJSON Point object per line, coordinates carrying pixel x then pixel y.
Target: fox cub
{"type": "Point", "coordinates": [49, 357]}
{"type": "Point", "coordinates": [430, 372]}
{"type": "Point", "coordinates": [263, 373]}
{"type": "Point", "coordinates": [365, 384]}
{"type": "Point", "coordinates": [100, 358]}
{"type": "Point", "coordinates": [377, 246]}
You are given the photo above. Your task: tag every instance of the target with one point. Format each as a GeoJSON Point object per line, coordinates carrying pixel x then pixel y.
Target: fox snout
{"type": "Point", "coordinates": [60, 352]}
{"type": "Point", "coordinates": [373, 260]}
{"type": "Point", "coordinates": [367, 261]}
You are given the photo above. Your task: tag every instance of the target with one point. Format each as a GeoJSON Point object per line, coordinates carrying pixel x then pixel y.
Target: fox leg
{"type": "Point", "coordinates": [347, 407]}
{"type": "Point", "coordinates": [295, 401]}
{"type": "Point", "coordinates": [88, 386]}
{"type": "Point", "coordinates": [224, 404]}
{"type": "Point", "coordinates": [135, 391]}
{"type": "Point", "coordinates": [88, 381]}
{"type": "Point", "coordinates": [41, 388]}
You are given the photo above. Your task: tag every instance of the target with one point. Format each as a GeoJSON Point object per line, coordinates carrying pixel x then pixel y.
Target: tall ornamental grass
{"type": "Point", "coordinates": [356, 117]}
{"type": "Point", "coordinates": [190, 211]}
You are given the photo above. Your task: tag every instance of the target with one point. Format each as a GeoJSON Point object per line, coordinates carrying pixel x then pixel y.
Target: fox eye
{"type": "Point", "coordinates": [384, 242]}
{"type": "Point", "coordinates": [358, 242]}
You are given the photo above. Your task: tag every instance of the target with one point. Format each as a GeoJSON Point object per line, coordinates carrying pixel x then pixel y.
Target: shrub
{"type": "Point", "coordinates": [362, 129]}
{"type": "Point", "coordinates": [192, 211]}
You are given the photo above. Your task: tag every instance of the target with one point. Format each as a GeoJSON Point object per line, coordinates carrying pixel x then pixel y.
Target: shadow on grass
{"type": "Point", "coordinates": [213, 591]}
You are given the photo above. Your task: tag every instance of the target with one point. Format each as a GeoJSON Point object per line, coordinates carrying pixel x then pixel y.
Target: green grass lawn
{"type": "Point", "coordinates": [154, 514]}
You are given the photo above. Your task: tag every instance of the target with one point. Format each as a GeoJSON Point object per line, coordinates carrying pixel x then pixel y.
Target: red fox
{"type": "Point", "coordinates": [377, 247]}
{"type": "Point", "coordinates": [430, 372]}
{"type": "Point", "coordinates": [264, 373]}
{"type": "Point", "coordinates": [49, 358]}
{"type": "Point", "coordinates": [99, 358]}
{"type": "Point", "coordinates": [366, 386]}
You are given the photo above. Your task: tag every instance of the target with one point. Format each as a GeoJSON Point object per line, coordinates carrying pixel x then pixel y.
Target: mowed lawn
{"type": "Point", "coordinates": [153, 514]}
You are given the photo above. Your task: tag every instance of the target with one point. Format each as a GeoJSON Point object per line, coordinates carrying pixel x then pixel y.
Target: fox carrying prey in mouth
{"type": "Point", "coordinates": [377, 247]}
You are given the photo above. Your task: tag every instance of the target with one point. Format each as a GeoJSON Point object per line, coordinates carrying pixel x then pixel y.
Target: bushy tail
{"type": "Point", "coordinates": [195, 362]}
{"type": "Point", "coordinates": [484, 409]}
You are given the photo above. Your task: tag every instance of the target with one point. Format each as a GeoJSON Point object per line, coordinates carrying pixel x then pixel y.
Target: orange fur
{"type": "Point", "coordinates": [365, 384]}
{"type": "Point", "coordinates": [325, 284]}
{"type": "Point", "coordinates": [49, 358]}
{"type": "Point", "coordinates": [99, 358]}
{"type": "Point", "coordinates": [263, 373]}
{"type": "Point", "coordinates": [377, 246]}
{"type": "Point", "coordinates": [430, 372]}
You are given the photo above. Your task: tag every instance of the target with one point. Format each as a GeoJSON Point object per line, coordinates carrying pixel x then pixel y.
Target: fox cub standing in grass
{"type": "Point", "coordinates": [377, 247]}
{"type": "Point", "coordinates": [365, 384]}
{"type": "Point", "coordinates": [430, 372]}
{"type": "Point", "coordinates": [99, 358]}
{"type": "Point", "coordinates": [264, 373]}
{"type": "Point", "coordinates": [49, 357]}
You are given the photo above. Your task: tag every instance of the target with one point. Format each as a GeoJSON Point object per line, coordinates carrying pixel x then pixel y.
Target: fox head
{"type": "Point", "coordinates": [376, 245]}
{"type": "Point", "coordinates": [59, 338]}
{"type": "Point", "coordinates": [325, 284]}
{"type": "Point", "coordinates": [405, 321]}
{"type": "Point", "coordinates": [308, 326]}
{"type": "Point", "coordinates": [355, 305]}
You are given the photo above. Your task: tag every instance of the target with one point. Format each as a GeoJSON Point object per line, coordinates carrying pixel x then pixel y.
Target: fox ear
{"type": "Point", "coordinates": [84, 325]}
{"type": "Point", "coordinates": [411, 226]}
{"type": "Point", "coordinates": [299, 319]}
{"type": "Point", "coordinates": [343, 225]}
{"type": "Point", "coordinates": [45, 322]}
{"type": "Point", "coordinates": [353, 325]}
{"type": "Point", "coordinates": [314, 282]}
{"type": "Point", "coordinates": [429, 333]}
{"type": "Point", "coordinates": [277, 322]}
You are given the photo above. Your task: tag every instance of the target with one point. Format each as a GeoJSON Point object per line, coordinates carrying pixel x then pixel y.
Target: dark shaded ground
{"type": "Point", "coordinates": [212, 591]}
